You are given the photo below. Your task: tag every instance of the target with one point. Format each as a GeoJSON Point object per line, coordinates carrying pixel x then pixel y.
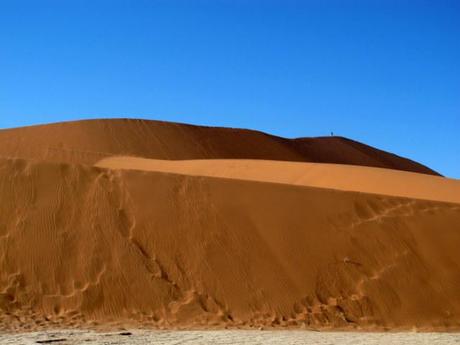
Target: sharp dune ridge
{"type": "Point", "coordinates": [323, 175]}
{"type": "Point", "coordinates": [108, 241]}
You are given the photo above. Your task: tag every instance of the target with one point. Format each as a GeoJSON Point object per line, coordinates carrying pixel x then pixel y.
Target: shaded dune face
{"type": "Point", "coordinates": [82, 245]}
{"type": "Point", "coordinates": [87, 142]}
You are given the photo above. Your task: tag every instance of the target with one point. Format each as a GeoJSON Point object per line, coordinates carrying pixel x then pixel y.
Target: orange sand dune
{"type": "Point", "coordinates": [243, 234]}
{"type": "Point", "coordinates": [87, 142]}
{"type": "Point", "coordinates": [82, 245]}
{"type": "Point", "coordinates": [334, 176]}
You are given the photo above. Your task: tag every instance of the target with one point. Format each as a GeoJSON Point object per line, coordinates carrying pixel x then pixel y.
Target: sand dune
{"type": "Point", "coordinates": [334, 176]}
{"type": "Point", "coordinates": [87, 142]}
{"type": "Point", "coordinates": [219, 243]}
{"type": "Point", "coordinates": [82, 245]}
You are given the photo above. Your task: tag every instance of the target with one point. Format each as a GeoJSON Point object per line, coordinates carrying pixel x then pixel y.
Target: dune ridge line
{"type": "Point", "coordinates": [323, 175]}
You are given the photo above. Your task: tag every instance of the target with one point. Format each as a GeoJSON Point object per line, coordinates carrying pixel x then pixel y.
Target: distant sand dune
{"type": "Point", "coordinates": [86, 142]}
{"type": "Point", "coordinates": [334, 176]}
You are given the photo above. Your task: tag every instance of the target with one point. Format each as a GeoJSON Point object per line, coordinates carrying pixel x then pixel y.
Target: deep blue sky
{"type": "Point", "coordinates": [383, 72]}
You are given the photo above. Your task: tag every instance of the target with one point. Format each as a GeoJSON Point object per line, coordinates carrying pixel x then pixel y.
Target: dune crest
{"type": "Point", "coordinates": [334, 176]}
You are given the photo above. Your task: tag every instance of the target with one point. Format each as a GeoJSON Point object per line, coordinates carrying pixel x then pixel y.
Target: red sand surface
{"type": "Point", "coordinates": [99, 239]}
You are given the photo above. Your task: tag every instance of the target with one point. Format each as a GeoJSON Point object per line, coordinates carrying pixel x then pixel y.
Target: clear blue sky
{"type": "Point", "coordinates": [383, 72]}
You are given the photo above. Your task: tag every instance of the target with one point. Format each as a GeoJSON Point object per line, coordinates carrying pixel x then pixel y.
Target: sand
{"type": "Point", "coordinates": [87, 142]}
{"type": "Point", "coordinates": [133, 337]}
{"type": "Point", "coordinates": [239, 244]}
{"type": "Point", "coordinates": [332, 176]}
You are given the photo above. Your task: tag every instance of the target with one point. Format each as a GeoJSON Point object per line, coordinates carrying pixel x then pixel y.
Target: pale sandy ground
{"type": "Point", "coordinates": [228, 337]}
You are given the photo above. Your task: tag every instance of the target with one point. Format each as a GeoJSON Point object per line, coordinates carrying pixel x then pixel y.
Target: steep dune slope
{"type": "Point", "coordinates": [87, 142]}
{"type": "Point", "coordinates": [83, 244]}
{"type": "Point", "coordinates": [333, 176]}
